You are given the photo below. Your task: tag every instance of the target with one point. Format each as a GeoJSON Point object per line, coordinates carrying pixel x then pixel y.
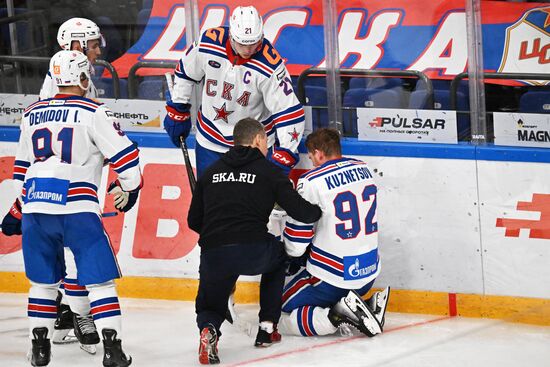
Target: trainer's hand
{"type": "Point", "coordinates": [11, 224]}
{"type": "Point", "coordinates": [284, 158]}
{"type": "Point", "coordinates": [124, 200]}
{"type": "Point", "coordinates": [178, 120]}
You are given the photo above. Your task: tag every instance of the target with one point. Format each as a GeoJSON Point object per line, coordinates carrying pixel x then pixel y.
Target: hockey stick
{"type": "Point", "coordinates": [183, 145]}
{"type": "Point", "coordinates": [188, 167]}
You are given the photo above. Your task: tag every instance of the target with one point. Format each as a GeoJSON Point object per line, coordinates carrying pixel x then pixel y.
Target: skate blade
{"type": "Point", "coordinates": [382, 303]}
{"type": "Point", "coordinates": [64, 337]}
{"type": "Point", "coordinates": [89, 348]}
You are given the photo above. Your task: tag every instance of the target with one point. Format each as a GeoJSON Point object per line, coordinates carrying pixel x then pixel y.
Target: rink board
{"type": "Point", "coordinates": [448, 238]}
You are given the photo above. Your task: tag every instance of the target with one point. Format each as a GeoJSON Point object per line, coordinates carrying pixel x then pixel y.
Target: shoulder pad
{"type": "Point", "coordinates": [215, 36]}
{"type": "Point", "coordinates": [269, 57]}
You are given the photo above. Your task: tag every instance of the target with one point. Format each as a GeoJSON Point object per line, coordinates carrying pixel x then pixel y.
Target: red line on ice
{"type": "Point", "coordinates": [333, 342]}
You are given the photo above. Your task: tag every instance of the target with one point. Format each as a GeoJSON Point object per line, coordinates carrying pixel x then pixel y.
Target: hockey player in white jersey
{"type": "Point", "coordinates": [82, 35]}
{"type": "Point", "coordinates": [341, 249]}
{"type": "Point", "coordinates": [64, 141]}
{"type": "Point", "coordinates": [244, 76]}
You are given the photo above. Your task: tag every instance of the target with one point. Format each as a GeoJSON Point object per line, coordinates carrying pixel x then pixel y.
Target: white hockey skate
{"type": "Point", "coordinates": [352, 310]}
{"type": "Point", "coordinates": [378, 304]}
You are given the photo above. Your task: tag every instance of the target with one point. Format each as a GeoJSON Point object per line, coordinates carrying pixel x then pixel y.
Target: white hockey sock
{"type": "Point", "coordinates": [76, 297]}
{"type": "Point", "coordinates": [105, 308]}
{"type": "Point", "coordinates": [306, 321]}
{"type": "Point", "coordinates": [42, 309]}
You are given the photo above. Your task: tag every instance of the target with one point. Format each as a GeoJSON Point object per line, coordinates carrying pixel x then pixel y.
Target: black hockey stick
{"type": "Point", "coordinates": [188, 166]}
{"type": "Point", "coordinates": [183, 145]}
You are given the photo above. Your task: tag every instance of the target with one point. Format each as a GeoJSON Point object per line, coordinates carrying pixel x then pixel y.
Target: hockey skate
{"type": "Point", "coordinates": [265, 338]}
{"type": "Point", "coordinates": [208, 347]}
{"type": "Point", "coordinates": [63, 324]}
{"type": "Point", "coordinates": [352, 310]}
{"type": "Point", "coordinates": [86, 332]}
{"type": "Point", "coordinates": [40, 353]}
{"type": "Point", "coordinates": [378, 304]}
{"type": "Point", "coordinates": [113, 355]}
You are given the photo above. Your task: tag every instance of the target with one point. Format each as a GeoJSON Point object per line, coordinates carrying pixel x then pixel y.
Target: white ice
{"type": "Point", "coordinates": [164, 334]}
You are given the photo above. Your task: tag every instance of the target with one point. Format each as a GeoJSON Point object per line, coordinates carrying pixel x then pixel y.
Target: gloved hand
{"type": "Point", "coordinates": [284, 158]}
{"type": "Point", "coordinates": [11, 224]}
{"type": "Point", "coordinates": [178, 120]}
{"type": "Point", "coordinates": [124, 200]}
{"type": "Point", "coordinates": [294, 264]}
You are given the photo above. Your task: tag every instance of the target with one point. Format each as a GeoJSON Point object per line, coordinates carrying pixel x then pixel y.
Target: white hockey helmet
{"type": "Point", "coordinates": [246, 25]}
{"type": "Point", "coordinates": [70, 68]}
{"type": "Point", "coordinates": [81, 30]}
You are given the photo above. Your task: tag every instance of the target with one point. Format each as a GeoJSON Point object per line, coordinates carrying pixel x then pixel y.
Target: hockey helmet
{"type": "Point", "coordinates": [70, 68]}
{"type": "Point", "coordinates": [246, 25]}
{"type": "Point", "coordinates": [81, 30]}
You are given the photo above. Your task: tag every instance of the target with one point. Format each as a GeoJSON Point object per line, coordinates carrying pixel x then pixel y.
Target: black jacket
{"type": "Point", "coordinates": [234, 197]}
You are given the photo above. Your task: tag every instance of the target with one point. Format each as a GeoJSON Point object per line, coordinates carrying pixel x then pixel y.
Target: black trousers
{"type": "Point", "coordinates": [220, 268]}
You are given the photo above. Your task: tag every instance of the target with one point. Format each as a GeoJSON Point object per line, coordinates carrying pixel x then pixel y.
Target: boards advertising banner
{"type": "Point", "coordinates": [132, 114]}
{"type": "Point", "coordinates": [522, 129]}
{"type": "Point", "coordinates": [420, 126]}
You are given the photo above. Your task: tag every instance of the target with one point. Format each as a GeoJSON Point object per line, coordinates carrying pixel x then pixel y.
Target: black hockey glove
{"type": "Point", "coordinates": [11, 224]}
{"type": "Point", "coordinates": [124, 200]}
{"type": "Point", "coordinates": [294, 264]}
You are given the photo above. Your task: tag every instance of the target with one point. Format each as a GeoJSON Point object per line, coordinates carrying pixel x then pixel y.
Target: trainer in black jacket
{"type": "Point", "coordinates": [230, 209]}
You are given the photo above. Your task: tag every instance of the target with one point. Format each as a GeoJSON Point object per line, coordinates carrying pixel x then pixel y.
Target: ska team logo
{"type": "Point", "coordinates": [527, 45]}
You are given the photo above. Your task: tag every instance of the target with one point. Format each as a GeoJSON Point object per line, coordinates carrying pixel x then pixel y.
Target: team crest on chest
{"type": "Point", "coordinates": [222, 113]}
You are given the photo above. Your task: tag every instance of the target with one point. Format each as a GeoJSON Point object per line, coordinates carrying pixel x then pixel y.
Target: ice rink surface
{"type": "Point", "coordinates": [164, 334]}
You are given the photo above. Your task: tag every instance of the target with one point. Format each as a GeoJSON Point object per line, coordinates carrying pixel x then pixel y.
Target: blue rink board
{"type": "Point", "coordinates": [352, 146]}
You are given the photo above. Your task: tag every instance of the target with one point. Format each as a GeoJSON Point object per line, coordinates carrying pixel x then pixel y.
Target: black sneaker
{"type": "Point", "coordinates": [85, 330]}
{"type": "Point", "coordinates": [41, 348]}
{"type": "Point", "coordinates": [265, 339]}
{"type": "Point", "coordinates": [113, 355]}
{"type": "Point", "coordinates": [208, 347]}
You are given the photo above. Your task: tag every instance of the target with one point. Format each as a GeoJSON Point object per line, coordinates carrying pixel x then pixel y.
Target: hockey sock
{"type": "Point", "coordinates": [105, 308]}
{"type": "Point", "coordinates": [306, 321]}
{"type": "Point", "coordinates": [76, 296]}
{"type": "Point", "coordinates": [42, 309]}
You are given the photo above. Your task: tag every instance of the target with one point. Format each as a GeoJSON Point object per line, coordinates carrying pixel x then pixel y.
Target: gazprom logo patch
{"type": "Point", "coordinates": [47, 190]}
{"type": "Point", "coordinates": [360, 266]}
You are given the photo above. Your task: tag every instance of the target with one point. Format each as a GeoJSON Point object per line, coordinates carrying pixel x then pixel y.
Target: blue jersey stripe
{"type": "Point", "coordinates": [323, 266]}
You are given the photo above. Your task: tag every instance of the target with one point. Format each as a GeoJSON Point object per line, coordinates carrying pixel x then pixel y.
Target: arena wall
{"type": "Point", "coordinates": [464, 230]}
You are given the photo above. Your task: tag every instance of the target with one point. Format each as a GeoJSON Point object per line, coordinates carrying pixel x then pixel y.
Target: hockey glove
{"type": "Point", "coordinates": [284, 158]}
{"type": "Point", "coordinates": [124, 200]}
{"type": "Point", "coordinates": [294, 264]}
{"type": "Point", "coordinates": [178, 120]}
{"type": "Point", "coordinates": [11, 224]}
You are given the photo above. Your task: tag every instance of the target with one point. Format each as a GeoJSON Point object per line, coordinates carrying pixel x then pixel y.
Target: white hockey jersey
{"type": "Point", "coordinates": [62, 147]}
{"type": "Point", "coordinates": [235, 88]}
{"type": "Point", "coordinates": [49, 88]}
{"type": "Point", "coordinates": [344, 242]}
